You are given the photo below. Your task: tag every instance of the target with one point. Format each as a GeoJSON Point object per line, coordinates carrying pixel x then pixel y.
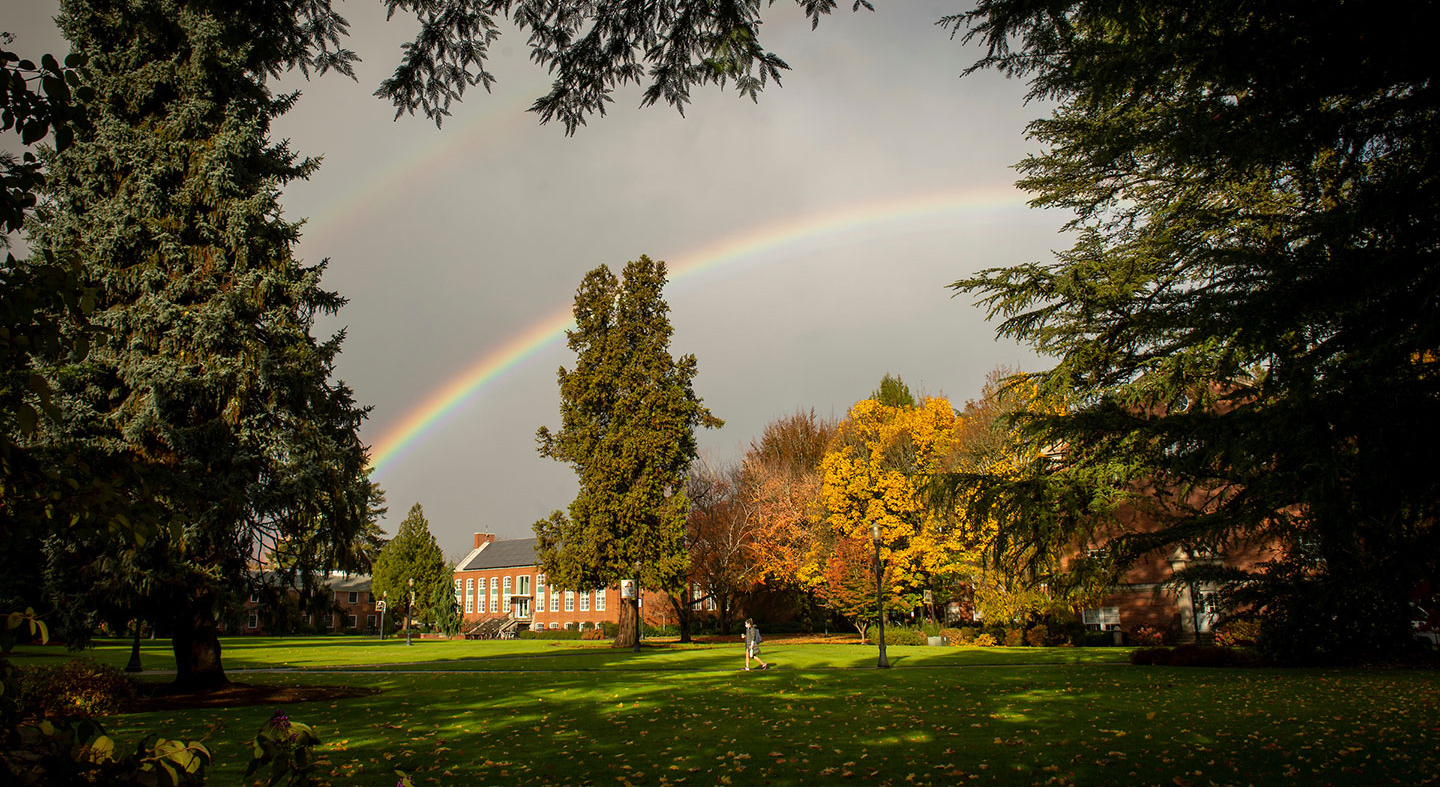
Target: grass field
{"type": "Point", "coordinates": [531, 712]}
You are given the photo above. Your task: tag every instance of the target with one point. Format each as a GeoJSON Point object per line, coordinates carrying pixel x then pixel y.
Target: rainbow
{"type": "Point", "coordinates": [766, 240]}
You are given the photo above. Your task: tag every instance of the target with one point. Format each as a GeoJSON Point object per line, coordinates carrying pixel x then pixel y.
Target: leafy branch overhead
{"type": "Point", "coordinates": [591, 48]}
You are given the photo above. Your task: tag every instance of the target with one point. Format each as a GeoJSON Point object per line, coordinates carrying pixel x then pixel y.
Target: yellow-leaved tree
{"type": "Point", "coordinates": [874, 473]}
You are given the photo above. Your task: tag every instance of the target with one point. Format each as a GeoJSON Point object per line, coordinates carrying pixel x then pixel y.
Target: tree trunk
{"type": "Point", "coordinates": [683, 614]}
{"type": "Point", "coordinates": [625, 638]}
{"type": "Point", "coordinates": [196, 642]}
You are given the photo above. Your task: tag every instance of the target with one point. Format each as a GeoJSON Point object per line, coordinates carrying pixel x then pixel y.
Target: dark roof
{"type": "Point", "coordinates": [502, 554]}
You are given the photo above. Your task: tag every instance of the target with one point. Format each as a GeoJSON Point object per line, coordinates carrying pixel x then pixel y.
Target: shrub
{"type": "Point", "coordinates": [896, 635]}
{"type": "Point", "coordinates": [285, 749]}
{"type": "Point", "coordinates": [1147, 636]}
{"type": "Point", "coordinates": [1014, 637]}
{"type": "Point", "coordinates": [1037, 637]}
{"type": "Point", "coordinates": [592, 634]}
{"type": "Point", "coordinates": [931, 629]}
{"type": "Point", "coordinates": [1208, 656]}
{"type": "Point", "coordinates": [1237, 633]}
{"type": "Point", "coordinates": [77, 689]}
{"type": "Point", "coordinates": [1192, 656]}
{"type": "Point", "coordinates": [1098, 639]}
{"type": "Point", "coordinates": [550, 634]}
{"type": "Point", "coordinates": [985, 640]}
{"type": "Point", "coordinates": [611, 629]}
{"type": "Point", "coordinates": [954, 636]}
{"type": "Point", "coordinates": [966, 635]}
{"type": "Point", "coordinates": [1147, 656]}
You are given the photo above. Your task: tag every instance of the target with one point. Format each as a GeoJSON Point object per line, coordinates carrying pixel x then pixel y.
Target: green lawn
{"type": "Point", "coordinates": [551, 713]}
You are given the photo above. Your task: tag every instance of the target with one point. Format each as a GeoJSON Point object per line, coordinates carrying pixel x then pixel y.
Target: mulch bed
{"type": "Point", "coordinates": [163, 697]}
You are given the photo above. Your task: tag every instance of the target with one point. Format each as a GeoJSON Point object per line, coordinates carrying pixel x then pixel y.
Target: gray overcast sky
{"type": "Point", "coordinates": [449, 243]}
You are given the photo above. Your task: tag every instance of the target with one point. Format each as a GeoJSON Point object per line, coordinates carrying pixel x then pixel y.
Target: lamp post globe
{"type": "Point", "coordinates": [884, 662]}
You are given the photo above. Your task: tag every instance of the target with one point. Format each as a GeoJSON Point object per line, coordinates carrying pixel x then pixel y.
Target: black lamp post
{"type": "Point", "coordinates": [410, 612]}
{"type": "Point", "coordinates": [883, 663]}
{"type": "Point", "coordinates": [134, 664]}
{"type": "Point", "coordinates": [384, 605]}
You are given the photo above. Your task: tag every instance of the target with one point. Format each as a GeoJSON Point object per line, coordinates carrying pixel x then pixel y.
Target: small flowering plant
{"type": "Point", "coordinates": [286, 749]}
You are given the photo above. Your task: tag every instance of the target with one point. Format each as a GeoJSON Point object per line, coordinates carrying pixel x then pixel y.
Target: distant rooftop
{"type": "Point", "coordinates": [500, 554]}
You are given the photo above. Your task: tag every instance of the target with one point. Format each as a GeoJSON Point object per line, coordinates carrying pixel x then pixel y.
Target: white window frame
{"type": "Point", "coordinates": [554, 600]}
{"type": "Point", "coordinates": [253, 622]}
{"type": "Point", "coordinates": [522, 585]}
{"type": "Point", "coordinates": [585, 601]}
{"type": "Point", "coordinates": [600, 600]}
{"type": "Point", "coordinates": [569, 601]}
{"type": "Point", "coordinates": [1102, 618]}
{"type": "Point", "coordinates": [353, 598]}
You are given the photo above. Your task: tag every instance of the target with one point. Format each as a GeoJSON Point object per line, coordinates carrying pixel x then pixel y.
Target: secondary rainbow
{"type": "Point", "coordinates": [770, 241]}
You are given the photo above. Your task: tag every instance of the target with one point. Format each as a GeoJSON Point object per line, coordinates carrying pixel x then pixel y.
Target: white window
{"type": "Point", "coordinates": [522, 586]}
{"type": "Point", "coordinates": [507, 586]}
{"type": "Point", "coordinates": [469, 594]}
{"type": "Point", "coordinates": [252, 622]}
{"type": "Point", "coordinates": [554, 624]}
{"type": "Point", "coordinates": [494, 603]}
{"type": "Point", "coordinates": [469, 583]}
{"type": "Point", "coordinates": [585, 601]}
{"type": "Point", "coordinates": [554, 600]}
{"type": "Point", "coordinates": [482, 585]}
{"type": "Point", "coordinates": [569, 601]}
{"type": "Point", "coordinates": [600, 600]}
{"type": "Point", "coordinates": [353, 597]}
{"type": "Point", "coordinates": [351, 621]}
{"type": "Point", "coordinates": [539, 584]}
{"type": "Point", "coordinates": [1102, 618]}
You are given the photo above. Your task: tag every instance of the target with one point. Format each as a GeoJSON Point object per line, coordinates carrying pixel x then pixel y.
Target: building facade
{"type": "Point", "coordinates": [501, 581]}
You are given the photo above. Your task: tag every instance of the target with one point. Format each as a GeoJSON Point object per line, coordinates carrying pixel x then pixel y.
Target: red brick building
{"type": "Point", "coordinates": [1146, 596]}
{"type": "Point", "coordinates": [501, 582]}
{"type": "Point", "coordinates": [351, 606]}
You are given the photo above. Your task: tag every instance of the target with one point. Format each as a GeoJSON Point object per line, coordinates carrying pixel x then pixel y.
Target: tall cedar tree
{"type": "Point", "coordinates": [1248, 316]}
{"type": "Point", "coordinates": [628, 418]}
{"type": "Point", "coordinates": [414, 554]}
{"type": "Point", "coordinates": [208, 382]}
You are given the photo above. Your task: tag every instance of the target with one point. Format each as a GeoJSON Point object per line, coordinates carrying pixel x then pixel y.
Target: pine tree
{"type": "Point", "coordinates": [208, 382]}
{"type": "Point", "coordinates": [628, 418]}
{"type": "Point", "coordinates": [1247, 317]}
{"type": "Point", "coordinates": [414, 554]}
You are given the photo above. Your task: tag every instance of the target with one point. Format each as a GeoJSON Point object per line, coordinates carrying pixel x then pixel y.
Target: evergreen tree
{"type": "Point", "coordinates": [414, 554]}
{"type": "Point", "coordinates": [893, 392]}
{"type": "Point", "coordinates": [628, 418]}
{"type": "Point", "coordinates": [1248, 315]}
{"type": "Point", "coordinates": [207, 381]}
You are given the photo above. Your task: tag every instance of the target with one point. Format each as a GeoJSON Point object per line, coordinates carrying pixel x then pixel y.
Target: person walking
{"type": "Point", "coordinates": [752, 644]}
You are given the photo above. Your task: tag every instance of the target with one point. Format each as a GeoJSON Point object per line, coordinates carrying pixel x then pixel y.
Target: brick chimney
{"type": "Point", "coordinates": [484, 538]}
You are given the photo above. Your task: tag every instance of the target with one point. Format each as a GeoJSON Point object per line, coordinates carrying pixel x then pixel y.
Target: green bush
{"type": "Point", "coordinates": [957, 636]}
{"type": "Point", "coordinates": [611, 629]}
{"type": "Point", "coordinates": [896, 635]}
{"type": "Point", "coordinates": [1098, 639]}
{"type": "Point", "coordinates": [1149, 656]}
{"type": "Point", "coordinates": [1237, 633]}
{"type": "Point", "coordinates": [1037, 636]}
{"type": "Point", "coordinates": [285, 749]}
{"type": "Point", "coordinates": [550, 634]}
{"type": "Point", "coordinates": [1014, 637]}
{"type": "Point", "coordinates": [76, 689]}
